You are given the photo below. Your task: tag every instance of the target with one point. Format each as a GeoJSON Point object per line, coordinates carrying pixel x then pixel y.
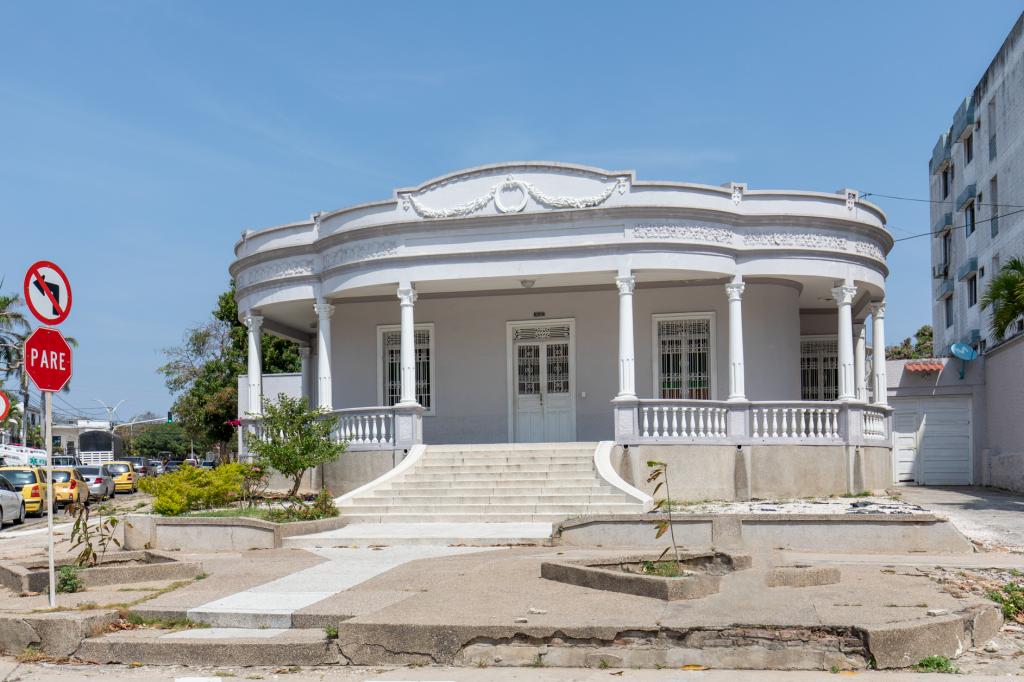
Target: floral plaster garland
{"type": "Point", "coordinates": [493, 194]}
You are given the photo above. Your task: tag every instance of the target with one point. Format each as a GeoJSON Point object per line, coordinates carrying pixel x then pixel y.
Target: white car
{"type": "Point", "coordinates": [12, 506]}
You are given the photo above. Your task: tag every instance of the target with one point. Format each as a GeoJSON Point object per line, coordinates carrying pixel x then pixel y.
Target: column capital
{"type": "Point", "coordinates": [877, 309]}
{"type": "Point", "coordinates": [844, 294]}
{"type": "Point", "coordinates": [407, 296]}
{"type": "Point", "coordinates": [735, 290]}
{"type": "Point", "coordinates": [253, 322]}
{"type": "Point", "coordinates": [323, 310]}
{"type": "Point", "coordinates": [625, 283]}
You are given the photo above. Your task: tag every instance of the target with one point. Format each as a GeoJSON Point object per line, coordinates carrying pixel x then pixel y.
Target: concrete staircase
{"type": "Point", "coordinates": [503, 483]}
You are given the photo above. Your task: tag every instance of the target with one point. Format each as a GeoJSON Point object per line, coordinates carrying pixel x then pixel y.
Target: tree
{"type": "Point", "coordinates": [161, 438]}
{"type": "Point", "coordinates": [13, 330]}
{"type": "Point", "coordinates": [294, 438]}
{"type": "Point", "coordinates": [922, 347]}
{"type": "Point", "coordinates": [203, 372]}
{"type": "Point", "coordinates": [1005, 295]}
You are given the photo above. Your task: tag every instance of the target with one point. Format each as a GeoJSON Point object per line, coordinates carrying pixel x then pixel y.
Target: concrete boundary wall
{"type": "Point", "coordinates": [233, 534]}
{"type": "Point", "coordinates": [872, 533]}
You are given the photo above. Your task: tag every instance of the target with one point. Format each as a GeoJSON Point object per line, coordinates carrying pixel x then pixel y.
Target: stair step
{"type": "Point", "coordinates": [486, 509]}
{"type": "Point", "coordinates": [582, 483]}
{"type": "Point", "coordinates": [601, 498]}
{"type": "Point", "coordinates": [405, 517]}
{"type": "Point", "coordinates": [510, 447]}
{"type": "Point", "coordinates": [419, 475]}
{"type": "Point", "coordinates": [429, 468]}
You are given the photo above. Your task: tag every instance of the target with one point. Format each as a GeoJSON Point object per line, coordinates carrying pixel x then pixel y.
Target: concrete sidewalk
{"type": "Point", "coordinates": [989, 517]}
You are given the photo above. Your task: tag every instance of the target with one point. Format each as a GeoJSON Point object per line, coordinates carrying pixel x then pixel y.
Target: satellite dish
{"type": "Point", "coordinates": [965, 353]}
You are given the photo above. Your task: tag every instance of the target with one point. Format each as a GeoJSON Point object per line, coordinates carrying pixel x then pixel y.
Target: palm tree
{"type": "Point", "coordinates": [1005, 293]}
{"type": "Point", "coordinates": [13, 328]}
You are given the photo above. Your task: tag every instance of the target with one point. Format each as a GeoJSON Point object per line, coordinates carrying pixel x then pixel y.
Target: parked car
{"type": "Point", "coordinates": [100, 480]}
{"type": "Point", "coordinates": [172, 465]}
{"type": "Point", "coordinates": [209, 463]}
{"type": "Point", "coordinates": [140, 464]}
{"type": "Point", "coordinates": [69, 487]}
{"type": "Point", "coordinates": [12, 506]}
{"type": "Point", "coordinates": [66, 461]}
{"type": "Point", "coordinates": [32, 484]}
{"type": "Point", "coordinates": [156, 467]}
{"type": "Point", "coordinates": [124, 476]}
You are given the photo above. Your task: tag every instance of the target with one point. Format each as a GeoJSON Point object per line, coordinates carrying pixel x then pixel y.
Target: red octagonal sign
{"type": "Point", "coordinates": [48, 359]}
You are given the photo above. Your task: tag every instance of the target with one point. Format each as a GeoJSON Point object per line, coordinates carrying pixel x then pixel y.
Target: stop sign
{"type": "Point", "coordinates": [48, 359]}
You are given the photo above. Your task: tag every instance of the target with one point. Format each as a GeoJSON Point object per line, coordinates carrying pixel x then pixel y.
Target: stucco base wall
{"type": "Point", "coordinates": [354, 469]}
{"type": "Point", "coordinates": [726, 472]}
{"type": "Point", "coordinates": [1007, 470]}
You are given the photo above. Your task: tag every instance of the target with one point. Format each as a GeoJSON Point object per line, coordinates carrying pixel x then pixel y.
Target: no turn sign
{"type": "Point", "coordinates": [5, 406]}
{"type": "Point", "coordinates": [48, 292]}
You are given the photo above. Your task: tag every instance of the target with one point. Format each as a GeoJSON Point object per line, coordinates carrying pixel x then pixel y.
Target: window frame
{"type": "Point", "coordinates": [948, 310]}
{"type": "Point", "coordinates": [968, 145]}
{"type": "Point", "coordinates": [821, 375]}
{"type": "Point", "coordinates": [419, 326]}
{"type": "Point", "coordinates": [711, 317]}
{"type": "Point", "coordinates": [970, 226]}
{"type": "Point", "coordinates": [972, 290]}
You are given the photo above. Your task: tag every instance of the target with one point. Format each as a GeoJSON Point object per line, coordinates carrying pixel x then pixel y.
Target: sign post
{"type": "Point", "coordinates": [47, 360]}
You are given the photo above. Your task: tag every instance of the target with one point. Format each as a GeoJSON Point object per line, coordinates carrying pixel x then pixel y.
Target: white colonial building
{"type": "Point", "coordinates": [553, 303]}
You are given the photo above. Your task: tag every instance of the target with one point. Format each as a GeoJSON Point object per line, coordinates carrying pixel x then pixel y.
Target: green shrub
{"type": "Point", "coordinates": [322, 507]}
{"type": "Point", "coordinates": [1011, 597]}
{"type": "Point", "coordinates": [935, 664]}
{"type": "Point", "coordinates": [190, 488]}
{"type": "Point", "coordinates": [68, 580]}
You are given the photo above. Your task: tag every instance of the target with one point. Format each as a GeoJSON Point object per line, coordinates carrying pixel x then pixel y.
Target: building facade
{"type": "Point", "coordinates": [976, 175]}
{"type": "Point", "coordinates": [543, 303]}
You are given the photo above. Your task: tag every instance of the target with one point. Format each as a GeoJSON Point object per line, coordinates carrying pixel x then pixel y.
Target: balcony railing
{"type": "Point", "coordinates": [970, 191]}
{"type": "Point", "coordinates": [366, 428]}
{"type": "Point", "coordinates": [682, 419]}
{"type": "Point", "coordinates": [941, 153]}
{"type": "Point", "coordinates": [795, 421]}
{"type": "Point", "coordinates": [741, 423]}
{"type": "Point", "coordinates": [963, 118]}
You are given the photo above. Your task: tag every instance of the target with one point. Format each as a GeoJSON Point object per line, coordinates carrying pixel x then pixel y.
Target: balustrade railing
{"type": "Point", "coordinates": [365, 428]}
{"type": "Point", "coordinates": [874, 424]}
{"type": "Point", "coordinates": [682, 419]}
{"type": "Point", "coordinates": [795, 421]}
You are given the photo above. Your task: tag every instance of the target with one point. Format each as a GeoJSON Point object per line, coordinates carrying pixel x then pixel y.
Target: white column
{"type": "Point", "coordinates": [737, 387]}
{"type": "Point", "coordinates": [304, 353]}
{"type": "Point", "coordinates": [859, 360]}
{"type": "Point", "coordinates": [254, 323]}
{"type": "Point", "coordinates": [844, 300]}
{"type": "Point", "coordinates": [407, 298]}
{"type": "Point", "coordinates": [627, 371]}
{"type": "Point", "coordinates": [323, 353]}
{"type": "Point", "coordinates": [878, 352]}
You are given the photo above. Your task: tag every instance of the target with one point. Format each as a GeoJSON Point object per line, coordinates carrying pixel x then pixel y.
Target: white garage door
{"type": "Point", "coordinates": [932, 439]}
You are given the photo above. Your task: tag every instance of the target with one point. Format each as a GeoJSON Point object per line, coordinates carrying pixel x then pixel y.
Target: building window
{"type": "Point", "coordinates": [947, 305]}
{"type": "Point", "coordinates": [684, 356]}
{"type": "Point", "coordinates": [968, 149]}
{"type": "Point", "coordinates": [994, 210]}
{"type": "Point", "coordinates": [947, 248]}
{"type": "Point", "coordinates": [819, 368]}
{"type": "Point", "coordinates": [972, 291]}
{"type": "Point", "coordinates": [947, 180]}
{"type": "Point", "coordinates": [389, 367]}
{"type": "Point", "coordinates": [991, 129]}
{"type": "Point", "coordinates": [982, 345]}
{"type": "Point", "coordinates": [969, 219]}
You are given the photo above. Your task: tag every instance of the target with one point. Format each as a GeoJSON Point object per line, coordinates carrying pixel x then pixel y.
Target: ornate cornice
{"type": "Point", "coordinates": [524, 188]}
{"type": "Point", "coordinates": [292, 267]}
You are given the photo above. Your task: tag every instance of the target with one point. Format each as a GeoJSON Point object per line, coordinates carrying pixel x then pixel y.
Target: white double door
{"type": "Point", "coordinates": [544, 409]}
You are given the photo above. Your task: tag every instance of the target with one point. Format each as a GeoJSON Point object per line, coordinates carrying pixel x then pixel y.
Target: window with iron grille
{"type": "Point", "coordinates": [389, 343]}
{"type": "Point", "coordinates": [684, 359]}
{"type": "Point", "coordinates": [819, 368]}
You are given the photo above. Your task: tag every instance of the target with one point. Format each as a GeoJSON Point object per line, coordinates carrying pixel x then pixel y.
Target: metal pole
{"type": "Point", "coordinates": [48, 401]}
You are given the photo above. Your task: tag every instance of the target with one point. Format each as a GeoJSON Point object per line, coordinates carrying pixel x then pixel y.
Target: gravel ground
{"type": "Point", "coordinates": [821, 505]}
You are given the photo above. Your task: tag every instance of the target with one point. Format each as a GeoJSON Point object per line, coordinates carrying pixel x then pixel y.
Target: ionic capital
{"type": "Point", "coordinates": [734, 290]}
{"type": "Point", "coordinates": [253, 322]}
{"type": "Point", "coordinates": [323, 310]}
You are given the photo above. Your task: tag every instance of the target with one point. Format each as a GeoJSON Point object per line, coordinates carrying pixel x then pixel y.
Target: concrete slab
{"type": "Point", "coordinates": [225, 633]}
{"type": "Point", "coordinates": [427, 533]}
{"type": "Point", "coordinates": [991, 518]}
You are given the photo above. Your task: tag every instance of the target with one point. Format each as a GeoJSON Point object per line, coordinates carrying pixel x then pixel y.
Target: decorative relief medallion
{"type": "Point", "coordinates": [501, 194]}
{"type": "Point", "coordinates": [275, 270]}
{"type": "Point", "coordinates": [364, 250]}
{"type": "Point", "coordinates": [697, 233]}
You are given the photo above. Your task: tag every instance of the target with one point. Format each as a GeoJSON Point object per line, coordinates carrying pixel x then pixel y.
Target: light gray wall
{"type": "Point", "coordinates": [273, 385]}
{"type": "Point", "coordinates": [1004, 398]}
{"type": "Point", "coordinates": [471, 347]}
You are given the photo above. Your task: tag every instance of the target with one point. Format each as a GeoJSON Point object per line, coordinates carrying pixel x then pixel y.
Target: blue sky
{"type": "Point", "coordinates": [140, 138]}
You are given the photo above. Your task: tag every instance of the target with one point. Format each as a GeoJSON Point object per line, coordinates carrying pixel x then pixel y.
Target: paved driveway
{"type": "Point", "coordinates": [992, 518]}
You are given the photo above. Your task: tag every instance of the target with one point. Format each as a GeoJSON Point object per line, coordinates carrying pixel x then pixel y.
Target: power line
{"type": "Point", "coordinates": [864, 195]}
{"type": "Point", "coordinates": [958, 227]}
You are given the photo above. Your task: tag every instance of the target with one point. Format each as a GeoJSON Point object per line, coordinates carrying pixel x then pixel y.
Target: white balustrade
{"type": "Point", "coordinates": [874, 424]}
{"type": "Point", "coordinates": [365, 428]}
{"type": "Point", "coordinates": [795, 421]}
{"type": "Point", "coordinates": [682, 420]}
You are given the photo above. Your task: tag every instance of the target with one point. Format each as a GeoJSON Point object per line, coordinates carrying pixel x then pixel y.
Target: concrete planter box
{"type": "Point", "coordinates": [703, 574]}
{"type": "Point", "coordinates": [873, 533]}
{"type": "Point", "coordinates": [145, 531]}
{"type": "Point", "coordinates": [113, 568]}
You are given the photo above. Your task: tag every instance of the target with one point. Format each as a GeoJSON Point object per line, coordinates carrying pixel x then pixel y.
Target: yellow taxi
{"type": "Point", "coordinates": [125, 480]}
{"type": "Point", "coordinates": [31, 481]}
{"type": "Point", "coordinates": [69, 487]}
